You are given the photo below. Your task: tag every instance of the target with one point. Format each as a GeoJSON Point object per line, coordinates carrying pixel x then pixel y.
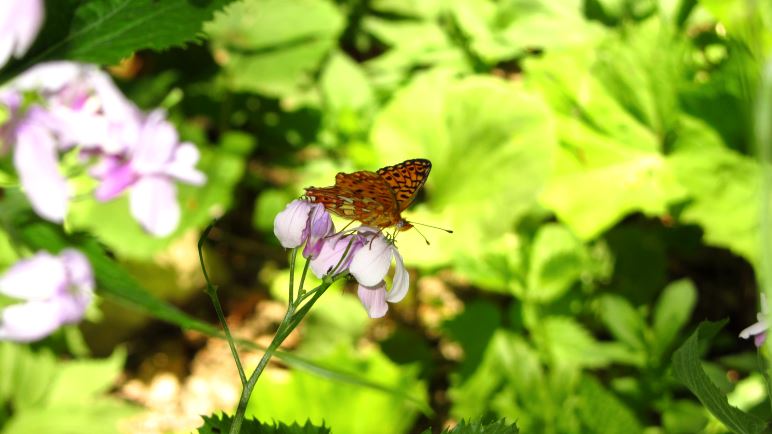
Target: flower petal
{"type": "Point", "coordinates": [156, 145]}
{"type": "Point", "coordinates": [318, 228]}
{"type": "Point", "coordinates": [115, 182]}
{"type": "Point", "coordinates": [754, 329]}
{"type": "Point", "coordinates": [401, 282]}
{"type": "Point", "coordinates": [372, 261]}
{"type": "Point", "coordinates": [183, 167]}
{"type": "Point", "coordinates": [332, 250]}
{"type": "Point", "coordinates": [36, 160]}
{"type": "Point", "coordinates": [39, 277]}
{"type": "Point", "coordinates": [289, 224]}
{"type": "Point", "coordinates": [29, 321]}
{"type": "Point", "coordinates": [374, 299]}
{"type": "Point", "coordinates": [153, 202]}
{"type": "Point", "coordinates": [20, 21]}
{"type": "Point", "coordinates": [79, 271]}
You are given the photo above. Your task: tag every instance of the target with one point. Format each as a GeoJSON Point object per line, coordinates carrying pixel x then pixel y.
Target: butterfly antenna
{"type": "Point", "coordinates": [422, 236]}
{"type": "Point", "coordinates": [433, 227]}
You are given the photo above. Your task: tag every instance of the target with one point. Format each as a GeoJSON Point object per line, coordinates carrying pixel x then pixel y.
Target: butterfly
{"type": "Point", "coordinates": [374, 198]}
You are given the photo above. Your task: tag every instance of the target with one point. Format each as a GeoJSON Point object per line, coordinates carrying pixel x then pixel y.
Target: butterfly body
{"type": "Point", "coordinates": [374, 198]}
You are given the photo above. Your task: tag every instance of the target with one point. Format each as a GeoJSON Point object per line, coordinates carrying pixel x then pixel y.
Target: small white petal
{"type": "Point", "coordinates": [401, 281]}
{"type": "Point", "coordinates": [153, 202]}
{"type": "Point", "coordinates": [37, 278]}
{"type": "Point", "coordinates": [759, 327]}
{"type": "Point", "coordinates": [374, 300]}
{"type": "Point", "coordinates": [371, 262]}
{"type": "Point", "coordinates": [288, 225]}
{"type": "Point", "coordinates": [29, 321]}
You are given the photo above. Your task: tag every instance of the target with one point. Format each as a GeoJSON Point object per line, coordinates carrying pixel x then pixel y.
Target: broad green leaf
{"type": "Point", "coordinates": [80, 382]}
{"type": "Point", "coordinates": [602, 412]}
{"type": "Point", "coordinates": [473, 329]}
{"type": "Point", "coordinates": [613, 118]}
{"type": "Point", "coordinates": [568, 343]}
{"type": "Point", "coordinates": [25, 375]}
{"type": "Point", "coordinates": [333, 402]}
{"type": "Point", "coordinates": [500, 268]}
{"type": "Point", "coordinates": [724, 187]}
{"type": "Point", "coordinates": [344, 85]}
{"type": "Point", "coordinates": [106, 31]}
{"type": "Point", "coordinates": [684, 416]}
{"type": "Point", "coordinates": [221, 424]}
{"type": "Point", "coordinates": [671, 313]}
{"type": "Point", "coordinates": [557, 261]}
{"type": "Point", "coordinates": [500, 31]}
{"type": "Point", "coordinates": [623, 321]}
{"type": "Point", "coordinates": [488, 165]}
{"type": "Point", "coordinates": [273, 47]}
{"type": "Point", "coordinates": [102, 415]}
{"type": "Point", "coordinates": [687, 370]}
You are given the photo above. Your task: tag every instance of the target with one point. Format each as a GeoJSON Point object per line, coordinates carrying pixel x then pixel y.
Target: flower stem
{"type": "Point", "coordinates": [211, 290]}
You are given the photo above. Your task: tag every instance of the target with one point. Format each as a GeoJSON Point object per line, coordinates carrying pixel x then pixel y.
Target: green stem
{"type": "Point", "coordinates": [291, 320]}
{"type": "Point", "coordinates": [211, 290]}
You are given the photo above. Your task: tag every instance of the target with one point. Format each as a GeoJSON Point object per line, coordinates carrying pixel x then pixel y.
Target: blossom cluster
{"type": "Point", "coordinates": [46, 292]}
{"type": "Point", "coordinates": [80, 108]}
{"type": "Point", "coordinates": [364, 252]}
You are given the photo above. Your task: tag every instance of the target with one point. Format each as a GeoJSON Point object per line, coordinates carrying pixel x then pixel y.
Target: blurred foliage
{"type": "Point", "coordinates": [596, 160]}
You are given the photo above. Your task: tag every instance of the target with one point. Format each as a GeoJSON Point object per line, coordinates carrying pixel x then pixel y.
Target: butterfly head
{"type": "Point", "coordinates": [403, 225]}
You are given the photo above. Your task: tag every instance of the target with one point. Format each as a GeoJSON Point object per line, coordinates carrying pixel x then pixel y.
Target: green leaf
{"type": "Point", "coordinates": [217, 424]}
{"type": "Point", "coordinates": [671, 313]}
{"type": "Point", "coordinates": [334, 402]}
{"type": "Point", "coordinates": [567, 342]}
{"type": "Point", "coordinates": [344, 85]}
{"type": "Point", "coordinates": [440, 118]}
{"type": "Point", "coordinates": [82, 381]}
{"type": "Point", "coordinates": [483, 427]}
{"type": "Point", "coordinates": [500, 31]}
{"type": "Point", "coordinates": [687, 370]}
{"type": "Point", "coordinates": [725, 190]}
{"type": "Point", "coordinates": [602, 412]}
{"type": "Point", "coordinates": [273, 47]}
{"type": "Point", "coordinates": [557, 261]}
{"type": "Point", "coordinates": [25, 375]}
{"type": "Point", "coordinates": [106, 31]}
{"type": "Point", "coordinates": [103, 415]}
{"type": "Point", "coordinates": [623, 321]}
{"type": "Point", "coordinates": [473, 329]}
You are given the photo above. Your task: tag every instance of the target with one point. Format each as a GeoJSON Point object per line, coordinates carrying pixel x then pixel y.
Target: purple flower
{"type": "Point", "coordinates": [369, 267]}
{"type": "Point", "coordinates": [329, 258]}
{"type": "Point", "coordinates": [54, 290]}
{"type": "Point", "coordinates": [303, 222]}
{"type": "Point", "coordinates": [759, 329]}
{"type": "Point", "coordinates": [150, 170]}
{"type": "Point", "coordinates": [20, 21]}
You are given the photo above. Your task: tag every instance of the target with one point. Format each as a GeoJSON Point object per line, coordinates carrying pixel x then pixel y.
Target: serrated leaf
{"type": "Point", "coordinates": [106, 31]}
{"type": "Point", "coordinates": [688, 370]}
{"type": "Point", "coordinates": [220, 424]}
{"type": "Point", "coordinates": [483, 427]}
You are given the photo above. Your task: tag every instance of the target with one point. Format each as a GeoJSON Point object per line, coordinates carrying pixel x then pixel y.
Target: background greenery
{"type": "Point", "coordinates": [596, 160]}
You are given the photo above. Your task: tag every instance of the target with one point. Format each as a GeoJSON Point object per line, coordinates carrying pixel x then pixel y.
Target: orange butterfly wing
{"type": "Point", "coordinates": [405, 179]}
{"type": "Point", "coordinates": [362, 196]}
{"type": "Point", "coordinates": [375, 199]}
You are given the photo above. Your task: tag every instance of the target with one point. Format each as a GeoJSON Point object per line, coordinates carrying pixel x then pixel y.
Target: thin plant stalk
{"type": "Point", "coordinates": [211, 290]}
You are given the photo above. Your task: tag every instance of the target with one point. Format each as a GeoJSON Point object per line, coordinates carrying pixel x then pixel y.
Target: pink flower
{"type": "Point", "coordinates": [369, 267]}
{"type": "Point", "coordinates": [149, 169]}
{"type": "Point", "coordinates": [331, 259]}
{"type": "Point", "coordinates": [54, 290]}
{"type": "Point", "coordinates": [759, 329]}
{"type": "Point", "coordinates": [20, 21]}
{"type": "Point", "coordinates": [303, 222]}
